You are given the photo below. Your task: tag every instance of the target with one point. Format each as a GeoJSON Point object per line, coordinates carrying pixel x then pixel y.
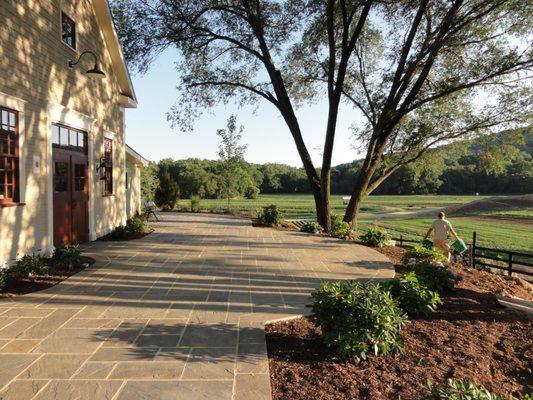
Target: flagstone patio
{"type": "Point", "coordinates": [178, 314]}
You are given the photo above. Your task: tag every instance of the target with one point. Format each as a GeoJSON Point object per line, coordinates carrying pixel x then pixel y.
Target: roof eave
{"type": "Point", "coordinates": [105, 21]}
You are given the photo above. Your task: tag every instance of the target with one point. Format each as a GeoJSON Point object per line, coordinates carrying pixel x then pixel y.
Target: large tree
{"type": "Point", "coordinates": [420, 72]}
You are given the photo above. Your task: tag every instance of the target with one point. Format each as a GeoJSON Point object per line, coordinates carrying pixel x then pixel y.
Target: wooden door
{"type": "Point", "coordinates": [62, 197]}
{"type": "Point", "coordinates": [80, 197]}
{"type": "Point", "coordinates": [71, 216]}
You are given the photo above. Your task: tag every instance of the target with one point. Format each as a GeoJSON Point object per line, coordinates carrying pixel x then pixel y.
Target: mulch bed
{"type": "Point", "coordinates": [127, 236]}
{"type": "Point", "coordinates": [17, 287]}
{"type": "Point", "coordinates": [471, 337]}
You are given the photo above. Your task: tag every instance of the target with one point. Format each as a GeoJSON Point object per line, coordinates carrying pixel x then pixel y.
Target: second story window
{"type": "Point", "coordinates": [108, 155]}
{"type": "Point", "coordinates": [68, 30]}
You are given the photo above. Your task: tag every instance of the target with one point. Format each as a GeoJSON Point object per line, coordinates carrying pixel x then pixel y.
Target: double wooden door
{"type": "Point", "coordinates": [71, 197]}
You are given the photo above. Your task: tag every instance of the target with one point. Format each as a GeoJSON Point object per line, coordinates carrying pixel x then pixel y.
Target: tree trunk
{"type": "Point", "coordinates": [321, 211]}
{"type": "Point", "coordinates": [324, 212]}
{"type": "Point", "coordinates": [359, 191]}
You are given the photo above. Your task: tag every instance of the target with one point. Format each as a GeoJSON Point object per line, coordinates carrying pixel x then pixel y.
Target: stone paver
{"type": "Point", "coordinates": [178, 314]}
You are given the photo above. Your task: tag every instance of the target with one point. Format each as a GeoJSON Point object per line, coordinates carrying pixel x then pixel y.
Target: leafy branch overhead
{"type": "Point", "coordinates": [414, 73]}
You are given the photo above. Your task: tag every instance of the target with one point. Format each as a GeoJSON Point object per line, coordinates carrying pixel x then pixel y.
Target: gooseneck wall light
{"type": "Point", "coordinates": [94, 72]}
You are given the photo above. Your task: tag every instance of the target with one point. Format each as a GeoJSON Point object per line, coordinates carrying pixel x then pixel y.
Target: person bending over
{"type": "Point", "coordinates": [441, 227]}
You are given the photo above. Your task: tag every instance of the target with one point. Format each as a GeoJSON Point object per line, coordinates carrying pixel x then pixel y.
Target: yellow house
{"type": "Point", "coordinates": [66, 173]}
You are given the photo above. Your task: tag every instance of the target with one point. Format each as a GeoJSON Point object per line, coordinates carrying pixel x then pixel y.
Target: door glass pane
{"type": "Point", "coordinates": [81, 141]}
{"type": "Point", "coordinates": [55, 136]}
{"type": "Point", "coordinates": [12, 144]}
{"type": "Point", "coordinates": [12, 120]}
{"type": "Point", "coordinates": [3, 143]}
{"type": "Point", "coordinates": [61, 177]}
{"type": "Point", "coordinates": [63, 136]}
{"type": "Point", "coordinates": [79, 177]}
{"type": "Point", "coordinates": [4, 117]}
{"type": "Point", "coordinates": [73, 139]}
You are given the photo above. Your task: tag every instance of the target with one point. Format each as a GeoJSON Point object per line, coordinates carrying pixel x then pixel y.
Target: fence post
{"type": "Point", "coordinates": [401, 240]}
{"type": "Point", "coordinates": [473, 250]}
{"type": "Point", "coordinates": [510, 271]}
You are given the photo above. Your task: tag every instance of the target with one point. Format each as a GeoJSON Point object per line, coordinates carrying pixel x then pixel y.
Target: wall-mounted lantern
{"type": "Point", "coordinates": [94, 72]}
{"type": "Point", "coordinates": [100, 168]}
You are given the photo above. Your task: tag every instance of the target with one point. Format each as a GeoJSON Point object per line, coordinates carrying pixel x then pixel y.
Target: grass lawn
{"type": "Point", "coordinates": [503, 234]}
{"type": "Point", "coordinates": [524, 213]}
{"type": "Point", "coordinates": [303, 206]}
{"type": "Point", "coordinates": [498, 234]}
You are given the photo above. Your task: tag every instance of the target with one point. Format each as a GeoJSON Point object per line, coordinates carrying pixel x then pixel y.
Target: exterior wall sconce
{"type": "Point", "coordinates": [100, 168]}
{"type": "Point", "coordinates": [94, 72]}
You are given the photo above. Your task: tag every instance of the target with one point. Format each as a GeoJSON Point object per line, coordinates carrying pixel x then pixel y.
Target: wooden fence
{"type": "Point", "coordinates": [511, 261]}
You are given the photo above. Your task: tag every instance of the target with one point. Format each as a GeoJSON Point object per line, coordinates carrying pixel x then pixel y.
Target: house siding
{"type": "Point", "coordinates": [34, 70]}
{"type": "Point", "coordinates": [133, 194]}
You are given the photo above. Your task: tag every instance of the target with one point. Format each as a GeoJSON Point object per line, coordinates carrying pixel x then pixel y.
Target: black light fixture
{"type": "Point", "coordinates": [100, 168]}
{"type": "Point", "coordinates": [94, 72]}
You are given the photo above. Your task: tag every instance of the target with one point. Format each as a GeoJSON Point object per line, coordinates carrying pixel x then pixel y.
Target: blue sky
{"type": "Point", "coordinates": [265, 132]}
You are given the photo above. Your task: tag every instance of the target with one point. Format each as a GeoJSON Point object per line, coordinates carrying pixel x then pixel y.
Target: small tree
{"type": "Point", "coordinates": [168, 192]}
{"type": "Point", "coordinates": [231, 154]}
{"type": "Point", "coordinates": [149, 181]}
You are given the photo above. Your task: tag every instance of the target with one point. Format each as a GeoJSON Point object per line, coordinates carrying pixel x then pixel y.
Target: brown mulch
{"type": "Point", "coordinates": [471, 337]}
{"type": "Point", "coordinates": [127, 236]}
{"type": "Point", "coordinates": [17, 287]}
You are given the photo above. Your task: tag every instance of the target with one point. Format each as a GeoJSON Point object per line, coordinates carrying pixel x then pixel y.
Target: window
{"type": "Point", "coordinates": [9, 156]}
{"type": "Point", "coordinates": [60, 176]}
{"type": "Point", "coordinates": [108, 156]}
{"type": "Point", "coordinates": [67, 138]}
{"type": "Point", "coordinates": [127, 181]}
{"type": "Point", "coordinates": [79, 177]}
{"type": "Point", "coordinates": [68, 30]}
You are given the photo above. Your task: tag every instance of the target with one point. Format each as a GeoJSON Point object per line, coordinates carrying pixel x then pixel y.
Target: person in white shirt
{"type": "Point", "coordinates": [441, 227]}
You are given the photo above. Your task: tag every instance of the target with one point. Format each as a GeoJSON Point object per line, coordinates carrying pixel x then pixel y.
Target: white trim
{"type": "Point", "coordinates": [109, 135]}
{"type": "Point", "coordinates": [61, 114]}
{"type": "Point", "coordinates": [18, 105]}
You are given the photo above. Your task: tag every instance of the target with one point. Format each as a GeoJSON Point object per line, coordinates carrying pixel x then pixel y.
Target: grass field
{"type": "Point", "coordinates": [302, 205]}
{"type": "Point", "coordinates": [498, 234]}
{"type": "Point", "coordinates": [497, 231]}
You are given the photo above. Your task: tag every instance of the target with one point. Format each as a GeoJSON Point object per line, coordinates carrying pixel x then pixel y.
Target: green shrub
{"type": "Point", "coordinates": [4, 279]}
{"type": "Point", "coordinates": [376, 237]}
{"type": "Point", "coordinates": [457, 390]}
{"type": "Point", "coordinates": [419, 253]}
{"type": "Point", "coordinates": [30, 264]}
{"type": "Point", "coordinates": [195, 203]}
{"type": "Point", "coordinates": [311, 227]}
{"type": "Point", "coordinates": [251, 192]}
{"type": "Point", "coordinates": [435, 278]}
{"type": "Point", "coordinates": [358, 319]}
{"type": "Point", "coordinates": [270, 216]}
{"type": "Point", "coordinates": [136, 225]}
{"type": "Point", "coordinates": [412, 296]}
{"type": "Point", "coordinates": [118, 233]}
{"type": "Point", "coordinates": [68, 256]}
{"type": "Point", "coordinates": [339, 228]}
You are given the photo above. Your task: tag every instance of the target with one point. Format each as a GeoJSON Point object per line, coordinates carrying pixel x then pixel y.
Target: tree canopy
{"type": "Point", "coordinates": [421, 73]}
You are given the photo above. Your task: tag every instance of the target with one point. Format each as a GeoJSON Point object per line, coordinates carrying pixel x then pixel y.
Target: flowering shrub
{"type": "Point", "coordinates": [311, 227]}
{"type": "Point", "coordinates": [339, 228]}
{"type": "Point", "coordinates": [421, 253]}
{"type": "Point", "coordinates": [358, 319]}
{"type": "Point", "coordinates": [376, 237]}
{"type": "Point", "coordinates": [412, 296]}
{"type": "Point", "coordinates": [437, 278]}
